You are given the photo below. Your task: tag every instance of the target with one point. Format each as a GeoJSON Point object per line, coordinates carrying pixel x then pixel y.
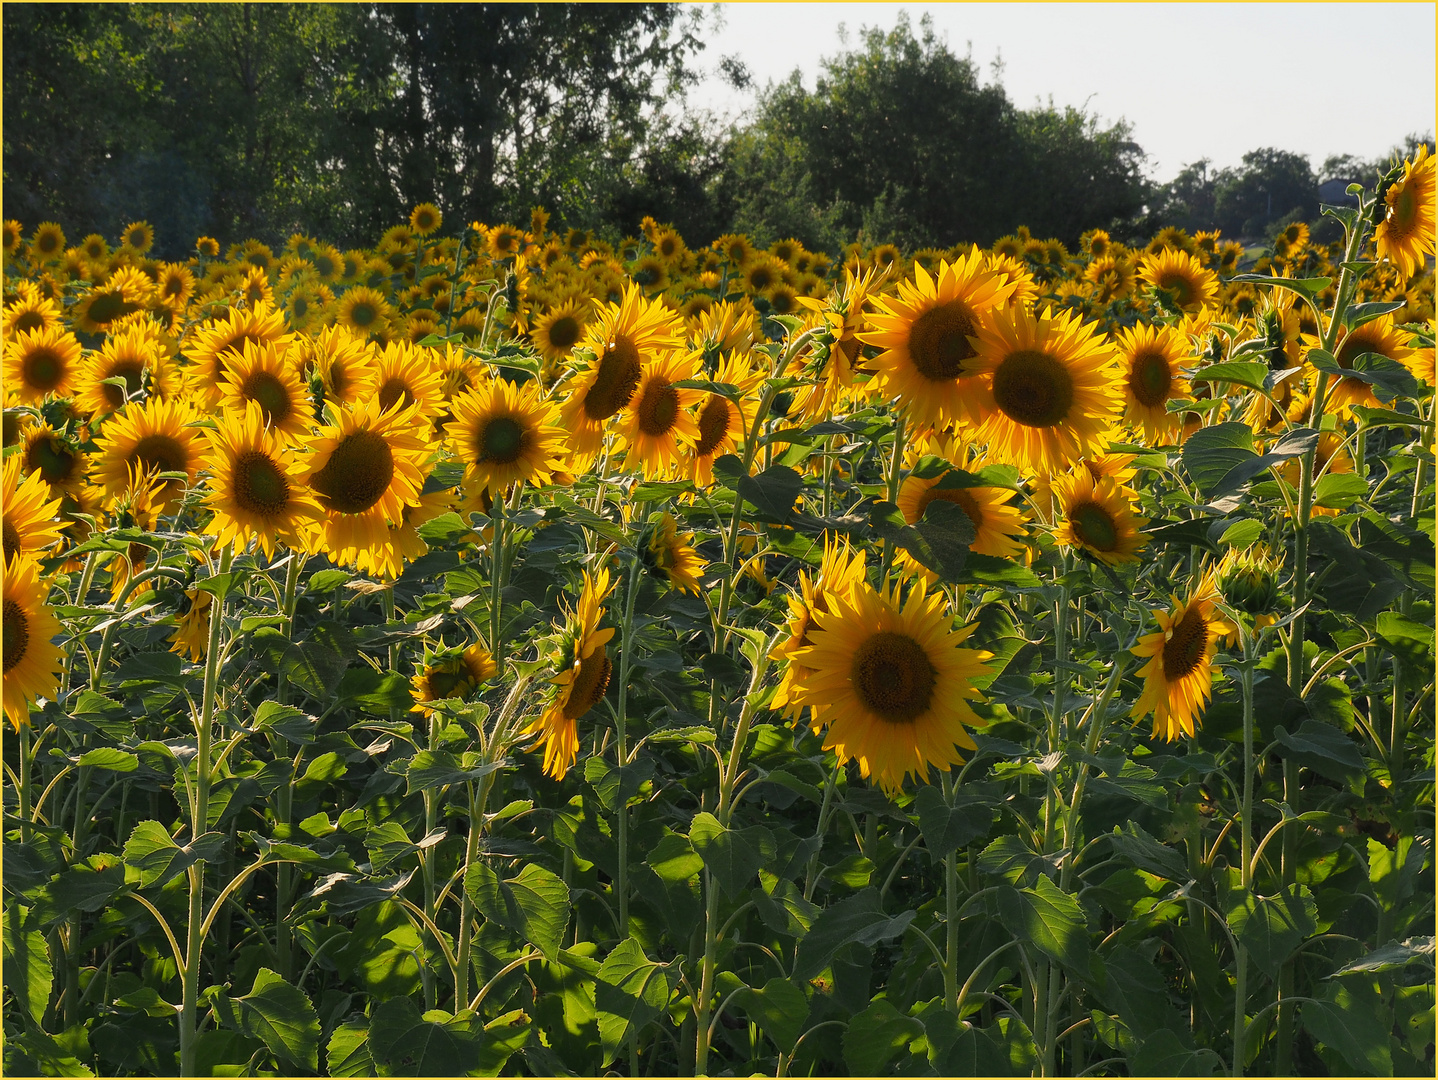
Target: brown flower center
{"type": "Point", "coordinates": [714, 420]}
{"type": "Point", "coordinates": [1094, 526]}
{"type": "Point", "coordinates": [357, 474]}
{"type": "Point", "coordinates": [260, 484]}
{"type": "Point", "coordinates": [893, 677]}
{"type": "Point", "coordinates": [564, 333]}
{"type": "Point", "coordinates": [43, 369]}
{"type": "Point", "coordinates": [394, 389]}
{"type": "Point", "coordinates": [16, 631]}
{"type": "Point", "coordinates": [159, 452]}
{"type": "Point", "coordinates": [133, 372]}
{"type": "Point", "coordinates": [939, 341]}
{"type": "Point", "coordinates": [272, 395]}
{"type": "Point", "coordinates": [590, 682]}
{"type": "Point", "coordinates": [615, 380]}
{"type": "Point", "coordinates": [1183, 651]}
{"type": "Point", "coordinates": [12, 540]}
{"type": "Point", "coordinates": [502, 440]}
{"type": "Point", "coordinates": [52, 460]}
{"type": "Point", "coordinates": [963, 498]}
{"type": "Point", "coordinates": [1149, 377]}
{"type": "Point", "coordinates": [658, 408]}
{"type": "Point", "coordinates": [1033, 389]}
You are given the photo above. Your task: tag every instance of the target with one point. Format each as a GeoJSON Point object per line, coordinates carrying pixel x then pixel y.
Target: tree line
{"type": "Point", "coordinates": [239, 120]}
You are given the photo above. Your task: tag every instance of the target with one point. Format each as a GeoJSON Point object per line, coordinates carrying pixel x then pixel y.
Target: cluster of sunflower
{"type": "Point", "coordinates": [329, 403]}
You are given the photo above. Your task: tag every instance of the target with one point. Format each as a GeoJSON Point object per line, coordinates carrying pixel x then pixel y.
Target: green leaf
{"type": "Point", "coordinates": [439, 768]}
{"type": "Point", "coordinates": [1271, 927]}
{"type": "Point", "coordinates": [405, 1042]}
{"type": "Point", "coordinates": [616, 786]}
{"type": "Point", "coordinates": [27, 963]}
{"type": "Point", "coordinates": [1321, 748]}
{"type": "Point", "coordinates": [1339, 491]}
{"type": "Point", "coordinates": [875, 1036]}
{"type": "Point", "coordinates": [946, 828]}
{"type": "Point", "coordinates": [534, 905]}
{"type": "Point", "coordinates": [772, 493]}
{"type": "Point", "coordinates": [1309, 287]}
{"type": "Point", "coordinates": [1211, 452]}
{"type": "Point", "coordinates": [280, 1015]}
{"type": "Point", "coordinates": [859, 918]}
{"type": "Point", "coordinates": [157, 857]}
{"type": "Point", "coordinates": [732, 856]}
{"type": "Point", "coordinates": [1293, 444]}
{"type": "Point", "coordinates": [630, 991]}
{"type": "Point", "coordinates": [1394, 955]}
{"type": "Point", "coordinates": [940, 541]}
{"type": "Point", "coordinates": [673, 859]}
{"type": "Point", "coordinates": [1164, 1054]}
{"type": "Point", "coordinates": [1411, 641]}
{"type": "Point", "coordinates": [1135, 989]}
{"type": "Point", "coordinates": [1358, 314]}
{"type": "Point", "coordinates": [1050, 919]}
{"type": "Point", "coordinates": [1389, 378]}
{"type": "Point", "coordinates": [780, 1008]}
{"type": "Point", "coordinates": [108, 757]}
{"type": "Point", "coordinates": [1143, 851]}
{"type": "Point", "coordinates": [375, 692]}
{"type": "Point", "coordinates": [1243, 374]}
{"type": "Point", "coordinates": [1242, 534]}
{"type": "Point", "coordinates": [286, 721]}
{"type": "Point", "coordinates": [1353, 1020]}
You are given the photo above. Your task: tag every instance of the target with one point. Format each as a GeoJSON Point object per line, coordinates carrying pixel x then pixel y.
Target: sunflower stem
{"type": "Point", "coordinates": [199, 821]}
{"type": "Point", "coordinates": [496, 546]}
{"type": "Point", "coordinates": [951, 916]}
{"type": "Point", "coordinates": [621, 744]}
{"type": "Point", "coordinates": [896, 463]}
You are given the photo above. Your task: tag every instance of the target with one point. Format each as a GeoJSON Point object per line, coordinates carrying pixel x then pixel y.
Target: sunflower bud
{"type": "Point", "coordinates": [1248, 579]}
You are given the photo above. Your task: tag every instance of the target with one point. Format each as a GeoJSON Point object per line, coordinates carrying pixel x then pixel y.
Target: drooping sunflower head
{"type": "Point", "coordinates": [451, 674]}
{"type": "Point", "coordinates": [669, 554]}
{"type": "Point", "coordinates": [1149, 360]}
{"type": "Point", "coordinates": [41, 363]}
{"type": "Point", "coordinates": [1098, 517]}
{"type": "Point", "coordinates": [1180, 275]}
{"type": "Point", "coordinates": [1050, 391]}
{"type": "Point", "coordinates": [1406, 233]}
{"type": "Point", "coordinates": [1178, 678]}
{"type": "Point", "coordinates": [32, 660]}
{"type": "Point", "coordinates": [890, 683]}
{"type": "Point", "coordinates": [191, 636]}
{"type": "Point", "coordinates": [929, 335]}
{"type": "Point", "coordinates": [506, 434]}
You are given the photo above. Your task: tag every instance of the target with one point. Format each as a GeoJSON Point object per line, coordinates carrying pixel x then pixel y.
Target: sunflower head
{"type": "Point", "coordinates": [1098, 517]}
{"type": "Point", "coordinates": [451, 673]}
{"type": "Point", "coordinates": [670, 555]}
{"type": "Point", "coordinates": [1178, 678]}
{"type": "Point", "coordinates": [1248, 579]}
{"type": "Point", "coordinates": [1405, 235]}
{"type": "Point", "coordinates": [32, 661]}
{"type": "Point", "coordinates": [425, 219]}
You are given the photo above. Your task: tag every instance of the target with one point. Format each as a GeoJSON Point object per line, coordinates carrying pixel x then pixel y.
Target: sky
{"type": "Point", "coordinates": [1194, 80]}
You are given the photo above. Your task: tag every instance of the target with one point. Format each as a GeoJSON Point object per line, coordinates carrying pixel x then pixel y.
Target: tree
{"type": "Point", "coordinates": [1269, 186]}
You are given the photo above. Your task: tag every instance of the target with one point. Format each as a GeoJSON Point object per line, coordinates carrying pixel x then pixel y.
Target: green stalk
{"type": "Point", "coordinates": [621, 746]}
{"type": "Point", "coordinates": [896, 464]}
{"type": "Point", "coordinates": [466, 906]}
{"type": "Point", "coordinates": [284, 802]}
{"type": "Point", "coordinates": [199, 822]}
{"type": "Point", "coordinates": [496, 572]}
{"type": "Point", "coordinates": [951, 916]}
{"type": "Point", "coordinates": [24, 791]}
{"type": "Point", "coordinates": [1240, 984]}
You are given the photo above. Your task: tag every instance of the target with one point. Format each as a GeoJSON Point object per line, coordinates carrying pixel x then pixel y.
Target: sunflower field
{"type": "Point", "coordinates": [501, 651]}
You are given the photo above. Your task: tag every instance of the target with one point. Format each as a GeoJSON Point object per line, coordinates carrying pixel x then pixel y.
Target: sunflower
{"type": "Point", "coordinates": [1405, 235]}
{"type": "Point", "coordinates": [363, 310]}
{"type": "Point", "coordinates": [723, 423]}
{"type": "Point", "coordinates": [659, 427]}
{"type": "Point", "coordinates": [211, 349]}
{"type": "Point", "coordinates": [13, 236]}
{"type": "Point", "coordinates": [32, 660]}
{"type": "Point", "coordinates": [41, 364]}
{"type": "Point", "coordinates": [406, 374]}
{"type": "Point", "coordinates": [1378, 335]}
{"type": "Point", "coordinates": [364, 468]}
{"type": "Point", "coordinates": [48, 242]}
{"type": "Point", "coordinates": [557, 331]}
{"type": "Point", "coordinates": [890, 682]}
{"type": "Point", "coordinates": [725, 327]}
{"type": "Point", "coordinates": [29, 311]}
{"type": "Point", "coordinates": [1012, 272]}
{"type": "Point", "coordinates": [29, 513]}
{"type": "Point", "coordinates": [55, 457]}
{"type": "Point", "coordinates": [998, 527]}
{"type": "Point", "coordinates": [155, 436]}
{"type": "Point", "coordinates": [583, 676]}
{"type": "Point", "coordinates": [136, 354]}
{"type": "Point", "coordinates": [1148, 358]}
{"type": "Point", "coordinates": [506, 434]}
{"type": "Point", "coordinates": [127, 291]}
{"type": "Point", "coordinates": [1098, 517]}
{"type": "Point", "coordinates": [138, 237]}
{"type": "Point", "coordinates": [175, 286]}
{"type": "Point", "coordinates": [344, 364]}
{"type": "Point", "coordinates": [845, 310]}
{"type": "Point", "coordinates": [670, 555]}
{"type": "Point", "coordinates": [254, 488]}
{"type": "Point", "coordinates": [736, 249]}
{"type": "Point", "coordinates": [192, 632]}
{"type": "Point", "coordinates": [1182, 276]}
{"type": "Point", "coordinates": [1111, 278]}
{"type": "Point", "coordinates": [1050, 391]}
{"type": "Point", "coordinates": [927, 334]}
{"type": "Point", "coordinates": [1178, 678]}
{"type": "Point", "coordinates": [266, 375]}
{"type": "Point", "coordinates": [453, 673]}
{"type": "Point", "coordinates": [625, 338]}
{"type": "Point", "coordinates": [402, 542]}
{"type": "Point", "coordinates": [425, 219]}
{"type": "Point", "coordinates": [650, 273]}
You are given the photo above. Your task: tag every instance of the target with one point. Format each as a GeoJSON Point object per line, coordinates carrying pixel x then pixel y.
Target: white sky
{"type": "Point", "coordinates": [1194, 80]}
